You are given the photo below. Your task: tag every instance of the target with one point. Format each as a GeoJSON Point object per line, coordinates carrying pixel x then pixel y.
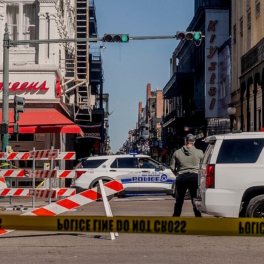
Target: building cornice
{"type": "Point", "coordinates": [48, 1]}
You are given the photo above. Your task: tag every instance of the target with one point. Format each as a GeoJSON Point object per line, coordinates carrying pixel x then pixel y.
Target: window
{"type": "Point", "coordinates": [249, 19]}
{"type": "Point", "coordinates": [234, 33]}
{"type": "Point", "coordinates": [126, 163]}
{"type": "Point", "coordinates": [240, 151]}
{"type": "Point", "coordinates": [92, 164]}
{"type": "Point", "coordinates": [257, 9]}
{"type": "Point", "coordinates": [114, 164]}
{"type": "Point", "coordinates": [25, 137]}
{"type": "Point", "coordinates": [21, 21]}
{"type": "Point", "coordinates": [241, 27]}
{"type": "Point", "coordinates": [147, 164]}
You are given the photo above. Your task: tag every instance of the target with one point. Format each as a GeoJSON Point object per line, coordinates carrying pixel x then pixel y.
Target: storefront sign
{"type": "Point", "coordinates": [32, 85]}
{"type": "Point", "coordinates": [26, 86]}
{"type": "Point", "coordinates": [217, 32]}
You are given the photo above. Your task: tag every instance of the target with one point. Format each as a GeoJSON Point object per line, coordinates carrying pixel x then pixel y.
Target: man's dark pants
{"type": "Point", "coordinates": [183, 182]}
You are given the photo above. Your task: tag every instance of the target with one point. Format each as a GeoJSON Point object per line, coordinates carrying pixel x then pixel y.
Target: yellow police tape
{"type": "Point", "coordinates": [137, 224]}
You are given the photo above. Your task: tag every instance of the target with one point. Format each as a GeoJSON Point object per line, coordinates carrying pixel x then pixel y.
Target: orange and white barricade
{"type": "Point", "coordinates": [52, 155]}
{"type": "Point", "coordinates": [37, 155]}
{"type": "Point", "coordinates": [43, 174]}
{"type": "Point", "coordinates": [72, 202]}
{"type": "Point", "coordinates": [77, 200]}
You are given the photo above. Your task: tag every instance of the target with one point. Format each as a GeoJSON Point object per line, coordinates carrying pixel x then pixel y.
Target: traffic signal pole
{"type": "Point", "coordinates": [5, 120]}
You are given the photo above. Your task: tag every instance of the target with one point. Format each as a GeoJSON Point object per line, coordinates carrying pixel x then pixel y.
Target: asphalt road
{"type": "Point", "coordinates": [51, 247]}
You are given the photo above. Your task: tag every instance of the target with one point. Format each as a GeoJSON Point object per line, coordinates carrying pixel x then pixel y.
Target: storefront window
{"type": "Point", "coordinates": [12, 17]}
{"type": "Point", "coordinates": [25, 137]}
{"type": "Point", "coordinates": [21, 21]}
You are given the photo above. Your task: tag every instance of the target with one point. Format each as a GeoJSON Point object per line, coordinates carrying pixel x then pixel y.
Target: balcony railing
{"type": "Point", "coordinates": [253, 57]}
{"type": "Point", "coordinates": [169, 116]}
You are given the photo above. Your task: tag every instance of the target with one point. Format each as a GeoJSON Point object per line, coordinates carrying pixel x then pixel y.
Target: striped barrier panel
{"type": "Point", "coordinates": [77, 200]}
{"type": "Point", "coordinates": [41, 192]}
{"type": "Point", "coordinates": [27, 156]}
{"type": "Point", "coordinates": [40, 154]}
{"type": "Point", "coordinates": [60, 174]}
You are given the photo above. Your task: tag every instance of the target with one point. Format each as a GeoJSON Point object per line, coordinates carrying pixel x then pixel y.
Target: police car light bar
{"type": "Point", "coordinates": [133, 153]}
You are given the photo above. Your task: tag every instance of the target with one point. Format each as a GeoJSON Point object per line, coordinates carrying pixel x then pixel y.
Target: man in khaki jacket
{"type": "Point", "coordinates": [185, 164]}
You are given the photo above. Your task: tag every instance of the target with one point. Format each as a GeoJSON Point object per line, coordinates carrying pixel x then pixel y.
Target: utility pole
{"type": "Point", "coordinates": [5, 120]}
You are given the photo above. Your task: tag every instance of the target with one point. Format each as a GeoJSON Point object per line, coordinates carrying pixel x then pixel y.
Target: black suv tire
{"type": "Point", "coordinates": [255, 207]}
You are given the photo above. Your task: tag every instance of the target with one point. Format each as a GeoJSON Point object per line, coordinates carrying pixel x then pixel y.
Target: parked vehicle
{"type": "Point", "coordinates": [139, 174]}
{"type": "Point", "coordinates": [231, 177]}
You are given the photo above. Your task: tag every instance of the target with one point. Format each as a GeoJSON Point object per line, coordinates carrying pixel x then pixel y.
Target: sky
{"type": "Point", "coordinates": [129, 67]}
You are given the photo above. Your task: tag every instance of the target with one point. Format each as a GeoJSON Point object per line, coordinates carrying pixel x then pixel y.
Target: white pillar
{"type": "Point", "coordinates": [47, 27]}
{"type": "Point", "coordinates": [52, 35]}
{"type": "Point", "coordinates": [42, 35]}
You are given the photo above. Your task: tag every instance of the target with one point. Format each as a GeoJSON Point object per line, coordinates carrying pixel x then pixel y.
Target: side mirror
{"type": "Point", "coordinates": [162, 167]}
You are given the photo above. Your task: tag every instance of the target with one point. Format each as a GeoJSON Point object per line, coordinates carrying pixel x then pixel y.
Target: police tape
{"type": "Point", "coordinates": [137, 224]}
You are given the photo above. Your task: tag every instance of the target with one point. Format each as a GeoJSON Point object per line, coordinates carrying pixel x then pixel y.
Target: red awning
{"type": "Point", "coordinates": [42, 120]}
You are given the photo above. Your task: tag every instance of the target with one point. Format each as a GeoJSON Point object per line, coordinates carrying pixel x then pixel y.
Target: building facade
{"type": "Point", "coordinates": [248, 64]}
{"type": "Point", "coordinates": [36, 72]}
{"type": "Point", "coordinates": [192, 99]}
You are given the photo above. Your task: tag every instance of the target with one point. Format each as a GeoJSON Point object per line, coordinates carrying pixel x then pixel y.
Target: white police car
{"type": "Point", "coordinates": [139, 174]}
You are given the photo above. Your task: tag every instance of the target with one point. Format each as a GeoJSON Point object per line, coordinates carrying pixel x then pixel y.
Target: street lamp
{"type": "Point", "coordinates": [231, 111]}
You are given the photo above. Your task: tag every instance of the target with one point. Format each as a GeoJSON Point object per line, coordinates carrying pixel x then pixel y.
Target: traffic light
{"type": "Point", "coordinates": [123, 38]}
{"type": "Point", "coordinates": [19, 106]}
{"type": "Point", "coordinates": [196, 36]}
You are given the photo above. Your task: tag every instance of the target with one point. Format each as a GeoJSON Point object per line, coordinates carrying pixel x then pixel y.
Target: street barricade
{"type": "Point", "coordinates": [52, 174]}
{"type": "Point", "coordinates": [77, 200]}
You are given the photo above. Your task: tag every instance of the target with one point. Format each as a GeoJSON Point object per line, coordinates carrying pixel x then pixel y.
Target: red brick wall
{"type": "Point", "coordinates": [148, 96]}
{"type": "Point", "coordinates": [159, 103]}
{"type": "Point", "coordinates": [148, 90]}
{"type": "Point", "coordinates": [139, 109]}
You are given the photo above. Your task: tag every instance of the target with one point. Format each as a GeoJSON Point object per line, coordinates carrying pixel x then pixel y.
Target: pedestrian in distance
{"type": "Point", "coordinates": [185, 164]}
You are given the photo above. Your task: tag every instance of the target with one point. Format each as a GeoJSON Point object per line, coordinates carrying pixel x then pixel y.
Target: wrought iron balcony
{"type": "Point", "coordinates": [253, 57]}
{"type": "Point", "coordinates": [168, 117]}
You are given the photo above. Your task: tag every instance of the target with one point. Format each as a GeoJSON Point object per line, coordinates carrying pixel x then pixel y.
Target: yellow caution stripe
{"type": "Point", "coordinates": [137, 224]}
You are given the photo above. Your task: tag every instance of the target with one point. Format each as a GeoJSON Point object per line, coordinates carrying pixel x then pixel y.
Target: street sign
{"type": "Point", "coordinates": [3, 128]}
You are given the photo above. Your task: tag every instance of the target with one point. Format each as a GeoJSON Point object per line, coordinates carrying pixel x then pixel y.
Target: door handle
{"type": "Point", "coordinates": [112, 170]}
{"type": "Point", "coordinates": [144, 171]}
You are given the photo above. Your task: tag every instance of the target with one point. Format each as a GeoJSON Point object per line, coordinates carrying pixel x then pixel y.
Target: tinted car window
{"type": "Point", "coordinates": [92, 164]}
{"type": "Point", "coordinates": [240, 151]}
{"type": "Point", "coordinates": [145, 163]}
{"type": "Point", "coordinates": [126, 163]}
{"type": "Point", "coordinates": [114, 164]}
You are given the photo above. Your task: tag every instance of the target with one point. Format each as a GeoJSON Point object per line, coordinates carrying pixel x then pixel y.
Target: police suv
{"type": "Point", "coordinates": [231, 177]}
{"type": "Point", "coordinates": [139, 174]}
